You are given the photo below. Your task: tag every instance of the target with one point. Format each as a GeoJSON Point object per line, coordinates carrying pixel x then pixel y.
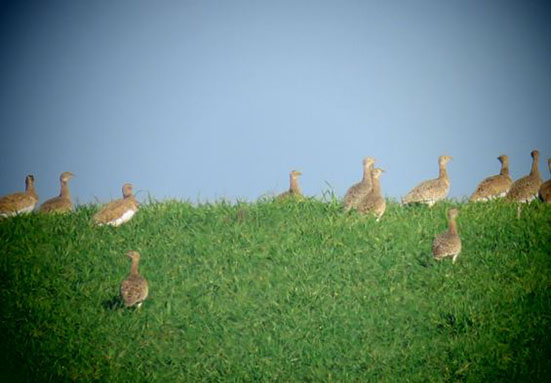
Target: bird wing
{"type": "Point", "coordinates": [16, 201]}
{"type": "Point", "coordinates": [435, 188]}
{"type": "Point", "coordinates": [134, 289]}
{"type": "Point", "coordinates": [356, 192]}
{"type": "Point", "coordinates": [524, 187]}
{"type": "Point", "coordinates": [115, 209]}
{"type": "Point", "coordinates": [57, 204]}
{"type": "Point", "coordinates": [492, 186]}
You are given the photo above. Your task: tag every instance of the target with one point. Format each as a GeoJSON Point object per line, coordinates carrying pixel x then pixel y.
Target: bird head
{"type": "Point", "coordinates": [66, 176]}
{"type": "Point", "coordinates": [127, 190]}
{"type": "Point", "coordinates": [444, 159]}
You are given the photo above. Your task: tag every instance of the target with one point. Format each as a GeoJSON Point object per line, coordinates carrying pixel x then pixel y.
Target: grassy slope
{"type": "Point", "coordinates": [279, 292]}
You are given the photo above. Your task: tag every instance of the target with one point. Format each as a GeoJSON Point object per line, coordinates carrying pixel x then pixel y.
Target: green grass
{"type": "Point", "coordinates": [274, 291]}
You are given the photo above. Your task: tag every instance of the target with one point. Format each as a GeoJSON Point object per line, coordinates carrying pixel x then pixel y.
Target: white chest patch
{"type": "Point", "coordinates": [27, 209]}
{"type": "Point", "coordinates": [529, 199]}
{"type": "Point", "coordinates": [123, 218]}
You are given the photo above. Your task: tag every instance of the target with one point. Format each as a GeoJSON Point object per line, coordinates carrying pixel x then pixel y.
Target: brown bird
{"type": "Point", "coordinates": [359, 190]}
{"type": "Point", "coordinates": [448, 243]}
{"type": "Point", "coordinates": [431, 191]}
{"type": "Point", "coordinates": [62, 203]}
{"type": "Point", "coordinates": [22, 202]}
{"type": "Point", "coordinates": [294, 189]}
{"type": "Point", "coordinates": [495, 186]}
{"type": "Point", "coordinates": [545, 188]}
{"type": "Point", "coordinates": [525, 189]}
{"type": "Point", "coordinates": [134, 288]}
{"type": "Point", "coordinates": [374, 202]}
{"type": "Point", "coordinates": [119, 211]}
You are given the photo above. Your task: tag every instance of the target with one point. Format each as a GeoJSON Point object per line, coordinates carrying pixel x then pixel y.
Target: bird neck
{"type": "Point", "coordinates": [453, 226]}
{"type": "Point", "coordinates": [376, 186]}
{"type": "Point", "coordinates": [443, 173]}
{"type": "Point", "coordinates": [294, 188]}
{"type": "Point", "coordinates": [65, 193]}
{"type": "Point", "coordinates": [134, 266]}
{"type": "Point", "coordinates": [504, 169]}
{"type": "Point", "coordinates": [29, 189]}
{"type": "Point", "coordinates": [367, 179]}
{"type": "Point", "coordinates": [535, 170]}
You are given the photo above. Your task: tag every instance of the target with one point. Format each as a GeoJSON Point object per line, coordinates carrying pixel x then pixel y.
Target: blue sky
{"type": "Point", "coordinates": [221, 99]}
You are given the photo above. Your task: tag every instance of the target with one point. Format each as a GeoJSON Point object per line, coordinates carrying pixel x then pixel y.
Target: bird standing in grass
{"type": "Point", "coordinates": [448, 243]}
{"type": "Point", "coordinates": [431, 191]}
{"type": "Point", "coordinates": [119, 211]}
{"type": "Point", "coordinates": [374, 201]}
{"type": "Point", "coordinates": [545, 188]}
{"type": "Point", "coordinates": [359, 190]}
{"type": "Point", "coordinates": [495, 186]}
{"type": "Point", "coordinates": [294, 189]}
{"type": "Point", "coordinates": [525, 189]}
{"type": "Point", "coordinates": [21, 202]}
{"type": "Point", "coordinates": [134, 288]}
{"type": "Point", "coordinates": [61, 203]}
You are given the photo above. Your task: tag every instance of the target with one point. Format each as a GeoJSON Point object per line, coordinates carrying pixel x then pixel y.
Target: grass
{"type": "Point", "coordinates": [273, 291]}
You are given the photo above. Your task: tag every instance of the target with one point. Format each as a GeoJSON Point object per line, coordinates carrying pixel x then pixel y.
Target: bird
{"type": "Point", "coordinates": [21, 202]}
{"type": "Point", "coordinates": [134, 288]}
{"type": "Point", "coordinates": [119, 211]}
{"type": "Point", "coordinates": [525, 189]}
{"type": "Point", "coordinates": [495, 186]}
{"type": "Point", "coordinates": [448, 243]}
{"type": "Point", "coordinates": [61, 203]}
{"type": "Point", "coordinates": [545, 188]}
{"type": "Point", "coordinates": [374, 201]}
{"type": "Point", "coordinates": [431, 191]}
{"type": "Point", "coordinates": [359, 190]}
{"type": "Point", "coordinates": [294, 189]}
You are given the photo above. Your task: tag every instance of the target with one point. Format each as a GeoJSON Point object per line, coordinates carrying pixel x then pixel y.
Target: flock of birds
{"type": "Point", "coordinates": [365, 197]}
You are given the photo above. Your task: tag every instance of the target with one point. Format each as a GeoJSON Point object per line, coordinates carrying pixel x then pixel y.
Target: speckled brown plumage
{"type": "Point", "coordinates": [294, 190]}
{"type": "Point", "coordinates": [448, 243]}
{"type": "Point", "coordinates": [63, 202]}
{"type": "Point", "coordinates": [134, 288]}
{"type": "Point", "coordinates": [361, 189]}
{"type": "Point", "coordinates": [525, 189]}
{"type": "Point", "coordinates": [374, 202]}
{"type": "Point", "coordinates": [495, 186]}
{"type": "Point", "coordinates": [545, 188]}
{"type": "Point", "coordinates": [119, 211]}
{"type": "Point", "coordinates": [431, 191]}
{"type": "Point", "coordinates": [22, 202]}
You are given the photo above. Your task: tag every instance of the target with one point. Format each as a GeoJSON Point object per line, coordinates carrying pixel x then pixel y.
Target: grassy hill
{"type": "Point", "coordinates": [271, 291]}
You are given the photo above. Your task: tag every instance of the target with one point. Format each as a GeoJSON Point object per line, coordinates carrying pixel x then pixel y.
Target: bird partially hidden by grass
{"type": "Point", "coordinates": [494, 186]}
{"type": "Point", "coordinates": [431, 191]}
{"type": "Point", "coordinates": [21, 202]}
{"type": "Point", "coordinates": [526, 189]}
{"type": "Point", "coordinates": [448, 243]}
{"type": "Point", "coordinates": [119, 211]}
{"type": "Point", "coordinates": [545, 188]}
{"type": "Point", "coordinates": [374, 202]}
{"type": "Point", "coordinates": [134, 289]}
{"type": "Point", "coordinates": [294, 190]}
{"type": "Point", "coordinates": [61, 203]}
{"type": "Point", "coordinates": [358, 191]}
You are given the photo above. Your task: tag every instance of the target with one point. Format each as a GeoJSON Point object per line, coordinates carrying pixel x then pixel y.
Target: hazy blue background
{"type": "Point", "coordinates": [221, 99]}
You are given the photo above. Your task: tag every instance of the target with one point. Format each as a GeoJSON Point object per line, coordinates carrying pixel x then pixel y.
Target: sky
{"type": "Point", "coordinates": [209, 100]}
